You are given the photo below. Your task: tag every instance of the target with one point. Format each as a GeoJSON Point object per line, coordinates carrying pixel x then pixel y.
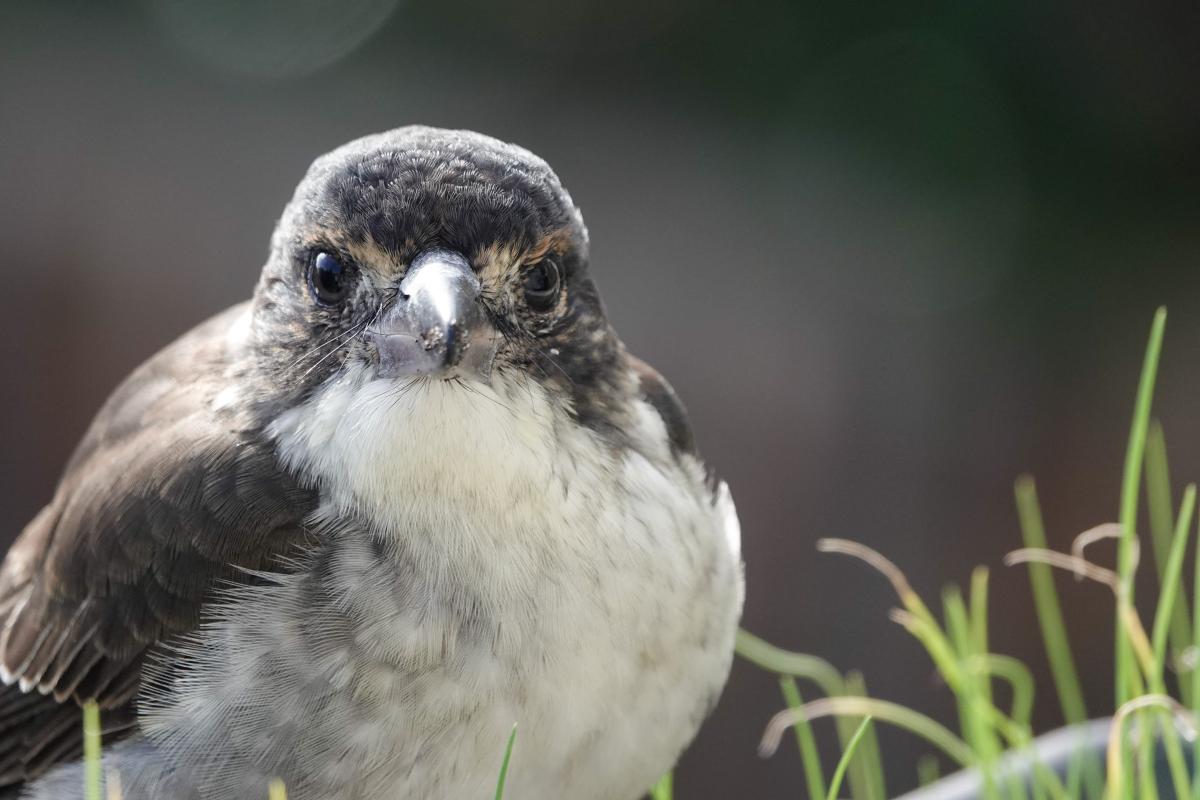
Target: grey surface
{"type": "Point", "coordinates": [1055, 750]}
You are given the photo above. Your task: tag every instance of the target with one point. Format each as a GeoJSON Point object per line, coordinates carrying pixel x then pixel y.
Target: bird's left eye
{"type": "Point", "coordinates": [328, 280]}
{"type": "Point", "coordinates": [541, 285]}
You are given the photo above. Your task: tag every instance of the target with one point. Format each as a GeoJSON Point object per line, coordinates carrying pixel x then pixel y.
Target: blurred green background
{"type": "Point", "coordinates": [890, 254]}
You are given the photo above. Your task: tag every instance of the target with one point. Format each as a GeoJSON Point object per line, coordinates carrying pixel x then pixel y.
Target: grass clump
{"type": "Point", "coordinates": [991, 738]}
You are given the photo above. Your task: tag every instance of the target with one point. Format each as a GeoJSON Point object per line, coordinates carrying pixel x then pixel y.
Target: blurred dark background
{"type": "Point", "coordinates": [892, 255]}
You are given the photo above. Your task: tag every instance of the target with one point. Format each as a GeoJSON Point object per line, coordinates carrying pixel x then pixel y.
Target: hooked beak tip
{"type": "Point", "coordinates": [437, 325]}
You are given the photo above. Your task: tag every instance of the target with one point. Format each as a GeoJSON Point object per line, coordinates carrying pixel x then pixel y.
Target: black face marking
{"type": "Point", "coordinates": [364, 211]}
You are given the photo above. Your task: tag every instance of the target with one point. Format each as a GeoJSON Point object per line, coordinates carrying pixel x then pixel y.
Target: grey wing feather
{"type": "Point", "coordinates": [165, 497]}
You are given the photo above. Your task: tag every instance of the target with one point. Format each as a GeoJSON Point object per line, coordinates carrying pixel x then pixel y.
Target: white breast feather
{"type": "Point", "coordinates": [615, 574]}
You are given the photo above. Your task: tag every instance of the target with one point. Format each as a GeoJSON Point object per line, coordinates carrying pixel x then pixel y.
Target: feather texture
{"type": "Point", "coordinates": [166, 496]}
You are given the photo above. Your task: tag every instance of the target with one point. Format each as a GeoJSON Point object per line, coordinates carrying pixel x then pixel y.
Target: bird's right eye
{"type": "Point", "coordinates": [328, 279]}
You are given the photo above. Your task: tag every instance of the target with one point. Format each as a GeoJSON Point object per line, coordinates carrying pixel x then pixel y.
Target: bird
{"type": "Point", "coordinates": [350, 534]}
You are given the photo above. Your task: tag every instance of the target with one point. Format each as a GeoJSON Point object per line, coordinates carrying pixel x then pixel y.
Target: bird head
{"type": "Point", "coordinates": [424, 254]}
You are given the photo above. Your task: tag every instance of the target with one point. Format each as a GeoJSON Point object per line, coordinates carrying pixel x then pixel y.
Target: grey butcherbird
{"type": "Point", "coordinates": [350, 532]}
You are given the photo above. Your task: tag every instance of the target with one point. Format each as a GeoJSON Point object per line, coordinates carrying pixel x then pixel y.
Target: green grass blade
{"type": "Point", "coordinates": [1130, 485]}
{"type": "Point", "coordinates": [664, 789]}
{"type": "Point", "coordinates": [979, 621]}
{"type": "Point", "coordinates": [1147, 779]}
{"type": "Point", "coordinates": [1046, 781]}
{"type": "Point", "coordinates": [974, 730]}
{"type": "Point", "coordinates": [1038, 790]}
{"type": "Point", "coordinates": [801, 665]}
{"type": "Point", "coordinates": [835, 783]}
{"type": "Point", "coordinates": [942, 652]}
{"type": "Point", "coordinates": [928, 770]}
{"type": "Point", "coordinates": [1049, 611]}
{"type": "Point", "coordinates": [912, 721]}
{"type": "Point", "coordinates": [978, 628]}
{"type": "Point", "coordinates": [1170, 590]}
{"type": "Point", "coordinates": [508, 748]}
{"type": "Point", "coordinates": [954, 611]}
{"type": "Point", "coordinates": [1054, 633]}
{"type": "Point", "coordinates": [1124, 787]}
{"type": "Point", "coordinates": [1162, 527]}
{"type": "Point", "coordinates": [785, 662]}
{"type": "Point", "coordinates": [93, 775]}
{"type": "Point", "coordinates": [972, 709]}
{"type": "Point", "coordinates": [1019, 678]}
{"type": "Point", "coordinates": [868, 765]}
{"type": "Point", "coordinates": [1075, 778]}
{"type": "Point", "coordinates": [1175, 762]}
{"type": "Point", "coordinates": [807, 743]}
{"type": "Point", "coordinates": [1195, 674]}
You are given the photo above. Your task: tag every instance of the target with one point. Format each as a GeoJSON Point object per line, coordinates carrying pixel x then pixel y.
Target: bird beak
{"type": "Point", "coordinates": [437, 326]}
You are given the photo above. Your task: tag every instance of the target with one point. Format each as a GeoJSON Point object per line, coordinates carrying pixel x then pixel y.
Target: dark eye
{"type": "Point", "coordinates": [328, 280]}
{"type": "Point", "coordinates": [541, 286]}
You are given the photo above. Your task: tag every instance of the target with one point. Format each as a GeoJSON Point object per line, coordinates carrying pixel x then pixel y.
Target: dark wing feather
{"type": "Point", "coordinates": [658, 393]}
{"type": "Point", "coordinates": [166, 495]}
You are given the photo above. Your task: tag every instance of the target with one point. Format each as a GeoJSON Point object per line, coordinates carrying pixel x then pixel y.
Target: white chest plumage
{"type": "Point", "coordinates": [487, 563]}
